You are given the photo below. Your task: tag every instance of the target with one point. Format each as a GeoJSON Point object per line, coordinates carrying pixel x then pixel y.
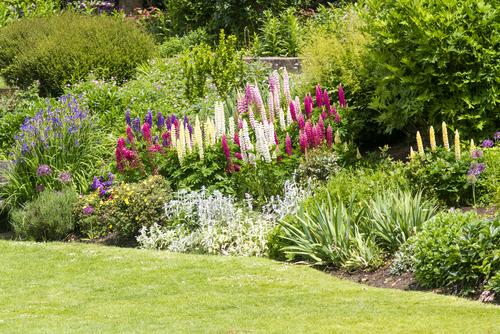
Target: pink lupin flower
{"type": "Point", "coordinates": [342, 102]}
{"type": "Point", "coordinates": [276, 141]}
{"type": "Point", "coordinates": [337, 117]}
{"type": "Point", "coordinates": [332, 111]}
{"type": "Point", "coordinates": [226, 150]}
{"type": "Point", "coordinates": [154, 148]}
{"type": "Point", "coordinates": [241, 105]}
{"type": "Point", "coordinates": [238, 156]}
{"type": "Point", "coordinates": [308, 129]}
{"type": "Point", "coordinates": [319, 96]}
{"type": "Point", "coordinates": [288, 145]}
{"type": "Point", "coordinates": [326, 99]}
{"type": "Point", "coordinates": [130, 135]}
{"type": "Point", "coordinates": [292, 111]}
{"type": "Point", "coordinates": [318, 135]}
{"type": "Point", "coordinates": [321, 125]}
{"type": "Point", "coordinates": [249, 94]}
{"type": "Point", "coordinates": [146, 132]}
{"type": "Point", "coordinates": [236, 139]}
{"type": "Point", "coordinates": [308, 105]}
{"type": "Point", "coordinates": [240, 123]}
{"type": "Point", "coordinates": [236, 167]}
{"type": "Point", "coordinates": [329, 136]}
{"type": "Point", "coordinates": [165, 138]}
{"type": "Point", "coordinates": [121, 143]}
{"type": "Point", "coordinates": [301, 122]}
{"type": "Point", "coordinates": [324, 115]}
{"type": "Point", "coordinates": [303, 141]}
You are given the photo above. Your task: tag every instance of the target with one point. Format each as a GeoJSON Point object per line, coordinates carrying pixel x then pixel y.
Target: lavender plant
{"type": "Point", "coordinates": [60, 145]}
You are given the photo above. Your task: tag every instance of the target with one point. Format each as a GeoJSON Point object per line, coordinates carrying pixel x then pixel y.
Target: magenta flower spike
{"type": "Point", "coordinates": [146, 132]}
{"type": "Point", "coordinates": [308, 129]}
{"type": "Point", "coordinates": [288, 145]}
{"type": "Point", "coordinates": [301, 122]}
{"type": "Point", "coordinates": [130, 135]}
{"type": "Point", "coordinates": [303, 141]}
{"type": "Point", "coordinates": [308, 105]}
{"type": "Point", "coordinates": [319, 96]}
{"type": "Point", "coordinates": [236, 138]}
{"type": "Point", "coordinates": [342, 102]}
{"type": "Point", "coordinates": [225, 148]}
{"type": "Point", "coordinates": [329, 136]}
{"type": "Point", "coordinates": [332, 111]}
{"type": "Point", "coordinates": [337, 118]}
{"type": "Point", "coordinates": [324, 115]}
{"type": "Point", "coordinates": [321, 125]}
{"type": "Point", "coordinates": [292, 111]}
{"type": "Point", "coordinates": [326, 99]}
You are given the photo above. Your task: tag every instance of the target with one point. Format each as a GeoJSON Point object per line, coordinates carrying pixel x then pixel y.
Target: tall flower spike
{"type": "Point", "coordinates": [319, 96]}
{"type": "Point", "coordinates": [358, 153]}
{"type": "Point", "coordinates": [127, 117]}
{"type": "Point", "coordinates": [457, 145]}
{"type": "Point", "coordinates": [303, 141]}
{"type": "Point", "coordinates": [288, 145]}
{"type": "Point", "coordinates": [337, 138]}
{"type": "Point", "coordinates": [220, 119]}
{"type": "Point", "coordinates": [298, 111]}
{"type": "Point", "coordinates": [446, 143]}
{"type": "Point", "coordinates": [293, 114]}
{"type": "Point", "coordinates": [326, 100]}
{"type": "Point", "coordinates": [432, 139]}
{"type": "Point", "coordinates": [412, 153]}
{"type": "Point", "coordinates": [472, 145]}
{"type": "Point", "coordinates": [342, 101]}
{"type": "Point", "coordinates": [281, 116]}
{"type": "Point", "coordinates": [225, 149]}
{"type": "Point", "coordinates": [231, 127]}
{"type": "Point", "coordinates": [329, 136]}
{"type": "Point", "coordinates": [420, 145]}
{"type": "Point", "coordinates": [286, 85]}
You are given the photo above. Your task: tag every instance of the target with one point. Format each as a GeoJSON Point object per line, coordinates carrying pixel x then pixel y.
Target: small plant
{"type": "Point", "coordinates": [48, 217]}
{"type": "Point", "coordinates": [394, 216]}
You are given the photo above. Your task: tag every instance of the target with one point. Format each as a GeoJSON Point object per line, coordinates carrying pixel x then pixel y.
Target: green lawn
{"type": "Point", "coordinates": [78, 288]}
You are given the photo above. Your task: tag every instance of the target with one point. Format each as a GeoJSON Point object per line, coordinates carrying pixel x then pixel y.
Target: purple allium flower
{"type": "Point", "coordinates": [476, 154]}
{"type": "Point", "coordinates": [496, 136]}
{"type": "Point", "coordinates": [136, 125]}
{"type": "Point", "coordinates": [476, 169]}
{"type": "Point", "coordinates": [127, 117]}
{"type": "Point", "coordinates": [88, 210]}
{"type": "Point", "coordinates": [149, 118]}
{"type": "Point", "coordinates": [288, 145]}
{"type": "Point", "coordinates": [487, 143]}
{"type": "Point", "coordinates": [160, 120]}
{"type": "Point", "coordinates": [43, 170]}
{"type": "Point", "coordinates": [342, 102]}
{"type": "Point", "coordinates": [65, 177]}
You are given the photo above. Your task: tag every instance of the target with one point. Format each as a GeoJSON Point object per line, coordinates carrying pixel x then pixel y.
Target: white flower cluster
{"type": "Point", "coordinates": [208, 223]}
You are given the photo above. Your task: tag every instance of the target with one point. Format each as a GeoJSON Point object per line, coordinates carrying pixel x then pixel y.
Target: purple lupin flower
{"type": "Point", "coordinates": [136, 125]}
{"type": "Point", "coordinates": [308, 130]}
{"type": "Point", "coordinates": [130, 135]}
{"type": "Point", "coordinates": [43, 170]}
{"type": "Point", "coordinates": [319, 96]}
{"type": "Point", "coordinates": [329, 136]}
{"type": "Point", "coordinates": [303, 141]}
{"type": "Point", "coordinates": [149, 118]}
{"type": "Point", "coordinates": [88, 210]}
{"type": "Point", "coordinates": [326, 100]}
{"type": "Point", "coordinates": [127, 117]}
{"type": "Point", "coordinates": [487, 143]}
{"type": "Point", "coordinates": [496, 136]}
{"type": "Point", "coordinates": [292, 111]}
{"type": "Point", "coordinates": [308, 105]}
{"type": "Point", "coordinates": [160, 120]}
{"type": "Point", "coordinates": [288, 145]}
{"type": "Point", "coordinates": [301, 122]}
{"type": "Point", "coordinates": [226, 150]}
{"type": "Point", "coordinates": [342, 102]}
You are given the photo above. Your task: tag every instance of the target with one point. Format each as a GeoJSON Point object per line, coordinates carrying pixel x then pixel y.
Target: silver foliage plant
{"type": "Point", "coordinates": [214, 223]}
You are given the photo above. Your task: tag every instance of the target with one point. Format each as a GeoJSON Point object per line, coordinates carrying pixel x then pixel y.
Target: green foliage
{"type": "Point", "coordinates": [125, 211]}
{"type": "Point", "coordinates": [321, 164]}
{"type": "Point", "coordinates": [278, 35]}
{"type": "Point", "coordinates": [48, 217]}
{"type": "Point", "coordinates": [394, 216]}
{"type": "Point", "coordinates": [224, 67]}
{"type": "Point", "coordinates": [154, 21]}
{"type": "Point", "coordinates": [457, 251]}
{"type": "Point", "coordinates": [330, 235]}
{"type": "Point", "coordinates": [175, 45]}
{"type": "Point", "coordinates": [63, 49]}
{"type": "Point", "coordinates": [11, 10]}
{"type": "Point", "coordinates": [63, 139]}
{"type": "Point", "coordinates": [14, 108]}
{"type": "Point", "coordinates": [436, 60]}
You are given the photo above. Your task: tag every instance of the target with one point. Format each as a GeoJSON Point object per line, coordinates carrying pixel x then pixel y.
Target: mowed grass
{"type": "Point", "coordinates": [79, 288]}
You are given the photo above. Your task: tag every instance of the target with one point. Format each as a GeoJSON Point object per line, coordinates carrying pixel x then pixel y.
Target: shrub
{"type": "Point", "coordinates": [121, 210]}
{"type": "Point", "coordinates": [60, 145]}
{"type": "Point", "coordinates": [11, 10]}
{"type": "Point", "coordinates": [435, 60]}
{"type": "Point", "coordinates": [329, 235]}
{"type": "Point", "coordinates": [208, 223]}
{"type": "Point", "coordinates": [175, 45]}
{"type": "Point", "coordinates": [320, 165]}
{"type": "Point", "coordinates": [48, 217]}
{"type": "Point", "coordinates": [457, 251]}
{"type": "Point", "coordinates": [394, 216]}
{"type": "Point", "coordinates": [62, 49]}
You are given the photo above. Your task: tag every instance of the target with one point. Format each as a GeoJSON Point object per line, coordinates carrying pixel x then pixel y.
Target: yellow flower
{"type": "Point", "coordinates": [412, 153]}
{"type": "Point", "coordinates": [446, 143]}
{"type": "Point", "coordinates": [457, 145]}
{"type": "Point", "coordinates": [420, 145]}
{"type": "Point", "coordinates": [472, 145]}
{"type": "Point", "coordinates": [432, 138]}
{"type": "Point", "coordinates": [126, 201]}
{"type": "Point", "coordinates": [336, 139]}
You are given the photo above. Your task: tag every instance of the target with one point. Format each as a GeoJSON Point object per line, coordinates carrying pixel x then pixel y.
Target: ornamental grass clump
{"type": "Point", "coordinates": [60, 145]}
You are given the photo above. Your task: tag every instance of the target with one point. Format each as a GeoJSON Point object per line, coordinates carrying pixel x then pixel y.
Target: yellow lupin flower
{"type": "Point", "coordinates": [358, 154]}
{"type": "Point", "coordinates": [446, 143]}
{"type": "Point", "coordinates": [432, 139]}
{"type": "Point", "coordinates": [457, 145]}
{"type": "Point", "coordinates": [336, 139]}
{"type": "Point", "coordinates": [472, 145]}
{"type": "Point", "coordinates": [173, 137]}
{"type": "Point", "coordinates": [412, 153]}
{"type": "Point", "coordinates": [420, 145]}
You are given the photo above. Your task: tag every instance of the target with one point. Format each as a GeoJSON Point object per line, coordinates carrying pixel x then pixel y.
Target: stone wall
{"type": "Point", "coordinates": [292, 64]}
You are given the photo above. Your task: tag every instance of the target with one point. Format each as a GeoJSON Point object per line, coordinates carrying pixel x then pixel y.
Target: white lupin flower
{"type": "Point", "coordinates": [173, 137]}
{"type": "Point", "coordinates": [298, 111]}
{"type": "Point", "coordinates": [187, 139]}
{"type": "Point", "coordinates": [246, 137]}
{"type": "Point", "coordinates": [251, 117]}
{"type": "Point", "coordinates": [281, 116]}
{"type": "Point", "coordinates": [198, 138]}
{"type": "Point", "coordinates": [259, 102]}
{"type": "Point", "coordinates": [262, 145]}
{"type": "Point", "coordinates": [270, 105]}
{"type": "Point", "coordinates": [286, 86]}
{"type": "Point", "coordinates": [206, 126]}
{"type": "Point", "coordinates": [220, 119]}
{"type": "Point", "coordinates": [181, 143]}
{"type": "Point", "coordinates": [243, 148]}
{"type": "Point", "coordinates": [289, 119]}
